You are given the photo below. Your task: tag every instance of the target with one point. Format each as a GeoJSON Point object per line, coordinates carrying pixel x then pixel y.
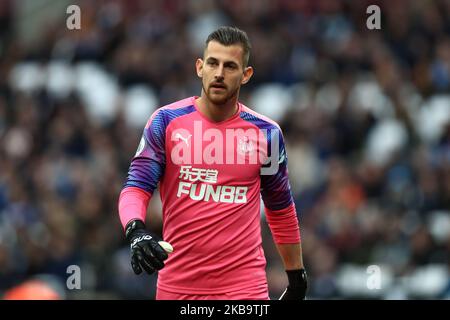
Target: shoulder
{"type": "Point", "coordinates": [261, 121]}
{"type": "Point", "coordinates": [165, 114]}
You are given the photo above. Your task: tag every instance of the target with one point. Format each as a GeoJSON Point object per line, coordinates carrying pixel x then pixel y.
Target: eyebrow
{"type": "Point", "coordinates": [230, 62]}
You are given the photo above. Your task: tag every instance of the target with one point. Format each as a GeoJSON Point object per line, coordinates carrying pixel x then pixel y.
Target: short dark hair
{"type": "Point", "coordinates": [228, 36]}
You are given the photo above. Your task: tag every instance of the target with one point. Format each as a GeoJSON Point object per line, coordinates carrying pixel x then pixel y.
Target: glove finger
{"type": "Point", "coordinates": [151, 259]}
{"type": "Point", "coordinates": [144, 263]}
{"type": "Point", "coordinates": [159, 252]}
{"type": "Point", "coordinates": [135, 265]}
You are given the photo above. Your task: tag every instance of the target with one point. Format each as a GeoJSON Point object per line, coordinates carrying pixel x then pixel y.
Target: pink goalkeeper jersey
{"type": "Point", "coordinates": [212, 176]}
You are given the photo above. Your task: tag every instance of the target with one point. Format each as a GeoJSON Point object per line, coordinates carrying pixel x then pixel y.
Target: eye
{"type": "Point", "coordinates": [231, 66]}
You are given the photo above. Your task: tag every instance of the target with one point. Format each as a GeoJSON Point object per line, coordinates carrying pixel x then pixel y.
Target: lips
{"type": "Point", "coordinates": [218, 86]}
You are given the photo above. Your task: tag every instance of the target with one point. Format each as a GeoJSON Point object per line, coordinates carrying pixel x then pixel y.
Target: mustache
{"type": "Point", "coordinates": [217, 84]}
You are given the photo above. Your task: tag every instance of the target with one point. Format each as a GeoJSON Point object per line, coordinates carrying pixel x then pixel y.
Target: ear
{"type": "Point", "coordinates": [248, 72]}
{"type": "Point", "coordinates": [199, 67]}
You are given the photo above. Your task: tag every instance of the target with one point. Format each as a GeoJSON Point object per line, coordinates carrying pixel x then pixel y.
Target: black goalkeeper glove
{"type": "Point", "coordinates": [298, 283]}
{"type": "Point", "coordinates": [146, 253]}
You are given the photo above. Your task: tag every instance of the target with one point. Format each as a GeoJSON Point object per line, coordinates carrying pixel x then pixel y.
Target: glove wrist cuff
{"type": "Point", "coordinates": [296, 276]}
{"type": "Point", "coordinates": [132, 226]}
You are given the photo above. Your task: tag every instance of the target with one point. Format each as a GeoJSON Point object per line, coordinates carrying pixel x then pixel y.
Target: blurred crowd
{"type": "Point", "coordinates": [365, 113]}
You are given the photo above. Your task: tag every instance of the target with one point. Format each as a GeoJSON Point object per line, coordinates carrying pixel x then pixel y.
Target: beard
{"type": "Point", "coordinates": [220, 98]}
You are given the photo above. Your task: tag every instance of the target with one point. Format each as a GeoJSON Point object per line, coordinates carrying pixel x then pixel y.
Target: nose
{"type": "Point", "coordinates": [219, 73]}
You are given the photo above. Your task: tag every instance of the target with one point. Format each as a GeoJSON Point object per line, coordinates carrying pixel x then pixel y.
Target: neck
{"type": "Point", "coordinates": [217, 112]}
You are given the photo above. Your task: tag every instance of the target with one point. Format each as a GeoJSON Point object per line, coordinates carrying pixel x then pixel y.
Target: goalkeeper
{"type": "Point", "coordinates": [214, 159]}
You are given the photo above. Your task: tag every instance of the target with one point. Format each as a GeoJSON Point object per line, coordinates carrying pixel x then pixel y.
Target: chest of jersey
{"type": "Point", "coordinates": [216, 163]}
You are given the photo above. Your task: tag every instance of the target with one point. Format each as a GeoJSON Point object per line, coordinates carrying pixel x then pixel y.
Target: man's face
{"type": "Point", "coordinates": [222, 71]}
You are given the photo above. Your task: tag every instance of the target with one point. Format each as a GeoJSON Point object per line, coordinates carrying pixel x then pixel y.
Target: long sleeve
{"type": "Point", "coordinates": [133, 203]}
{"type": "Point", "coordinates": [147, 166]}
{"type": "Point", "coordinates": [146, 169]}
{"type": "Point", "coordinates": [277, 197]}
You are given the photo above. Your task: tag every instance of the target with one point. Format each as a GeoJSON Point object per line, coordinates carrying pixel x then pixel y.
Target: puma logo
{"type": "Point", "coordinates": [179, 136]}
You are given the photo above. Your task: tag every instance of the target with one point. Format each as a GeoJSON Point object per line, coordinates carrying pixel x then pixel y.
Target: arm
{"type": "Point", "coordinates": [144, 174]}
{"type": "Point", "coordinates": [146, 169]}
{"type": "Point", "coordinates": [282, 218]}
{"type": "Point", "coordinates": [291, 254]}
{"type": "Point", "coordinates": [285, 230]}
